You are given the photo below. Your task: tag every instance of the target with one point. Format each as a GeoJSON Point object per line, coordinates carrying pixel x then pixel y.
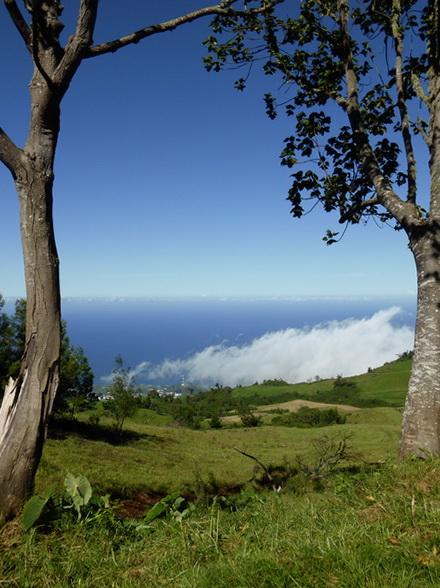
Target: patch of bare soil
{"type": "Point", "coordinates": [140, 502]}
{"type": "Point", "coordinates": [294, 406]}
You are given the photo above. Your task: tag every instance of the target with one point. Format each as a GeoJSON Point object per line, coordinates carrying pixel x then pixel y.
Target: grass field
{"type": "Point", "coordinates": [169, 459]}
{"type": "Point", "coordinates": [368, 521]}
{"type": "Point", "coordinates": [367, 531]}
{"type": "Point", "coordinates": [388, 382]}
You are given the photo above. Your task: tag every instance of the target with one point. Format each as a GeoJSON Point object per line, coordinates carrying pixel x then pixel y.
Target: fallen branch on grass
{"type": "Point", "coordinates": [275, 487]}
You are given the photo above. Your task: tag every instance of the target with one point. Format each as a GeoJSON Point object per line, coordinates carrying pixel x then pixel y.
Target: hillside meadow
{"type": "Point", "coordinates": [388, 383]}
{"type": "Point", "coordinates": [364, 520]}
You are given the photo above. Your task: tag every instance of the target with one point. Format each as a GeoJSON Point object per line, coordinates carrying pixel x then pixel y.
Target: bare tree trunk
{"type": "Point", "coordinates": [28, 400]}
{"type": "Point", "coordinates": [421, 420]}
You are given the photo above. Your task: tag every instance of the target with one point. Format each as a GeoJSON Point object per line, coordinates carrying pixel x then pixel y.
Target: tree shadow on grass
{"type": "Point", "coordinates": [60, 428]}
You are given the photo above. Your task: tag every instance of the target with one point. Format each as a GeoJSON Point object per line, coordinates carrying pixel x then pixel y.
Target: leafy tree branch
{"type": "Point", "coordinates": [223, 8]}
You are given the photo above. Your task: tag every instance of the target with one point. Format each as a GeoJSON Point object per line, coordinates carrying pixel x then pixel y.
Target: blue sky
{"type": "Point", "coordinates": [168, 180]}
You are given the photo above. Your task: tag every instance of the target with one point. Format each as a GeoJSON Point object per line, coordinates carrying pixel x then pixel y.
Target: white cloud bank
{"type": "Point", "coordinates": [348, 347]}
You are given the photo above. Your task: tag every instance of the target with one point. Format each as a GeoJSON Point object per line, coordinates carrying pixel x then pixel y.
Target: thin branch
{"type": "Point", "coordinates": [418, 88]}
{"type": "Point", "coordinates": [19, 22]}
{"type": "Point", "coordinates": [358, 208]}
{"type": "Point", "coordinates": [403, 212]}
{"type": "Point", "coordinates": [401, 104]}
{"type": "Point", "coordinates": [36, 55]}
{"type": "Point", "coordinates": [330, 455]}
{"type": "Point", "coordinates": [85, 25]}
{"type": "Point", "coordinates": [266, 471]}
{"type": "Point", "coordinates": [421, 128]}
{"type": "Point", "coordinates": [223, 8]}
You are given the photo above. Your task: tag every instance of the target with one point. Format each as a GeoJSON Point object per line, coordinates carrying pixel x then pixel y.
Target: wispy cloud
{"type": "Point", "coordinates": [348, 347]}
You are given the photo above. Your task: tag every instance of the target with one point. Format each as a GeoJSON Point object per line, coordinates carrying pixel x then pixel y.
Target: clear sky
{"type": "Point", "coordinates": [168, 180]}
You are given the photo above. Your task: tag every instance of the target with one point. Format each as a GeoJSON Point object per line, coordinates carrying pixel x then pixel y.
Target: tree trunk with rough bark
{"type": "Point", "coordinates": [420, 434]}
{"type": "Point", "coordinates": [28, 400]}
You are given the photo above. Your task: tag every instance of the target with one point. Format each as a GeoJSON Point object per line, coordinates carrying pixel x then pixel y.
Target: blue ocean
{"type": "Point", "coordinates": [235, 341]}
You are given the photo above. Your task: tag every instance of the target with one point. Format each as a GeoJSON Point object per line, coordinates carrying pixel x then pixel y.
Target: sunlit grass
{"type": "Point", "coordinates": [371, 523]}
{"type": "Point", "coordinates": [169, 458]}
{"type": "Point", "coordinates": [377, 529]}
{"type": "Point", "coordinates": [388, 382]}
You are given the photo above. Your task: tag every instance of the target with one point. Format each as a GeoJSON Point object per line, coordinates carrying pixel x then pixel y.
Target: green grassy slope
{"type": "Point", "coordinates": [388, 383]}
{"type": "Point", "coordinates": [169, 458]}
{"type": "Point", "coordinates": [372, 521]}
{"type": "Point", "coordinates": [367, 530]}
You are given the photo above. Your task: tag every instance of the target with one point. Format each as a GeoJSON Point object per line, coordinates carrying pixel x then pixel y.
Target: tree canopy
{"type": "Point", "coordinates": [354, 80]}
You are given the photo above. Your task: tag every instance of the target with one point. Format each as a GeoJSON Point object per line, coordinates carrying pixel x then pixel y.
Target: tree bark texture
{"type": "Point", "coordinates": [420, 434]}
{"type": "Point", "coordinates": [28, 400]}
{"type": "Point", "coordinates": [421, 420]}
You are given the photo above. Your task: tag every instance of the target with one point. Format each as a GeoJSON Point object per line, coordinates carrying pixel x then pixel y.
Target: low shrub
{"type": "Point", "coordinates": [307, 417]}
{"type": "Point", "coordinates": [247, 417]}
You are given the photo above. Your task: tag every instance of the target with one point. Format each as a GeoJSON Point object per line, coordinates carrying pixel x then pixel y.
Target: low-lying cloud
{"type": "Point", "coordinates": [347, 347]}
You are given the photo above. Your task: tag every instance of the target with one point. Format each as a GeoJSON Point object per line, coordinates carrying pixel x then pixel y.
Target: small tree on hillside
{"type": "Point", "coordinates": [122, 403]}
{"type": "Point", "coordinates": [248, 417]}
{"type": "Point", "coordinates": [75, 390]}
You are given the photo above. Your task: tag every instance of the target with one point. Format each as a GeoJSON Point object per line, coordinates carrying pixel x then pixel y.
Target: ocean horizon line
{"type": "Point", "coordinates": [224, 297]}
{"type": "Point", "coordinates": [235, 298]}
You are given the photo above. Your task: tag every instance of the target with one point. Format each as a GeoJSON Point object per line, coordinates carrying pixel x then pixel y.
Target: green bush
{"type": "Point", "coordinates": [248, 418]}
{"type": "Point", "coordinates": [215, 422]}
{"type": "Point", "coordinates": [307, 417]}
{"type": "Point", "coordinates": [123, 403]}
{"type": "Point", "coordinates": [186, 415]}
